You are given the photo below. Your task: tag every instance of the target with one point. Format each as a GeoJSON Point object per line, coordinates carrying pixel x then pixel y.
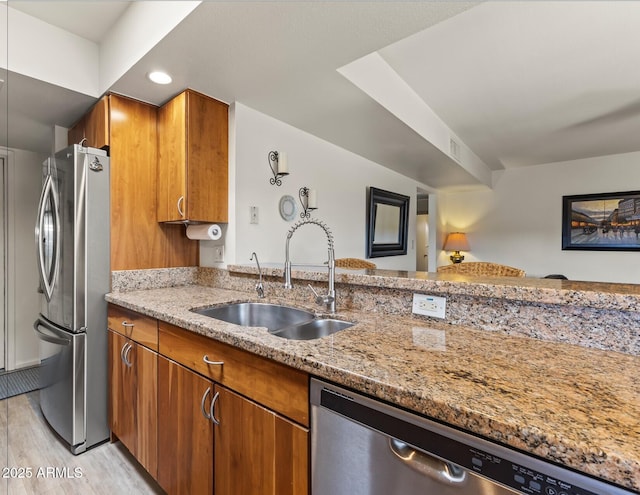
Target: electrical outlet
{"type": "Point", "coordinates": [253, 214]}
{"type": "Point", "coordinates": [424, 304]}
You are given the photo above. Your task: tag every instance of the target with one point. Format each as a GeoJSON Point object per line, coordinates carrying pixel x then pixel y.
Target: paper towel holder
{"type": "Point", "coordinates": [278, 165]}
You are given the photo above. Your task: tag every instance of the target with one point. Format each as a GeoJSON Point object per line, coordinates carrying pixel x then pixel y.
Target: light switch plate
{"type": "Point", "coordinates": [253, 214]}
{"type": "Point", "coordinates": [424, 304]}
{"type": "Point", "coordinates": [218, 254]}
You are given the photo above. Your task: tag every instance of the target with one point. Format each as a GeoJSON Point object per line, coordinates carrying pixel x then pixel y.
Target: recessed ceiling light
{"type": "Point", "coordinates": [159, 77]}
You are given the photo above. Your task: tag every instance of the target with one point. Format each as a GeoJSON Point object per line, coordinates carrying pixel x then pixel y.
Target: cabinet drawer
{"type": "Point", "coordinates": [140, 328]}
{"type": "Point", "coordinates": [282, 389]}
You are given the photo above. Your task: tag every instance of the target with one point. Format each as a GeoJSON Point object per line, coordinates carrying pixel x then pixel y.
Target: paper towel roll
{"type": "Point", "coordinates": [204, 232]}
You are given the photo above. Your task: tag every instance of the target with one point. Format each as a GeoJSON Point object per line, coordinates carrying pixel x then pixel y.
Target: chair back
{"type": "Point", "coordinates": [354, 263]}
{"type": "Point", "coordinates": [482, 269]}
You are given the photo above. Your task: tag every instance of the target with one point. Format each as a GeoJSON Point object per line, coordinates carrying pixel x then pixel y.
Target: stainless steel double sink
{"type": "Point", "coordinates": [281, 321]}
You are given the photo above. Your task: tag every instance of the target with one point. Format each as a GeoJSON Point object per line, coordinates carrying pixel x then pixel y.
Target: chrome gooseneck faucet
{"type": "Point", "coordinates": [329, 300]}
{"type": "Point", "coordinates": [259, 287]}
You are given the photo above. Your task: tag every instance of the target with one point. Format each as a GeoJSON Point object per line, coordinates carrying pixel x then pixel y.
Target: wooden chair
{"type": "Point", "coordinates": [354, 263]}
{"type": "Point", "coordinates": [482, 269]}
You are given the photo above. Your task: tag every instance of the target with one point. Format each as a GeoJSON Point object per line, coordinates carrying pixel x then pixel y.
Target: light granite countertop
{"type": "Point", "coordinates": [576, 406]}
{"type": "Point", "coordinates": [599, 295]}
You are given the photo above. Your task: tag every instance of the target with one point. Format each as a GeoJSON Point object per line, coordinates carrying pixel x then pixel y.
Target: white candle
{"type": "Point", "coordinates": [283, 166]}
{"type": "Point", "coordinates": [312, 199]}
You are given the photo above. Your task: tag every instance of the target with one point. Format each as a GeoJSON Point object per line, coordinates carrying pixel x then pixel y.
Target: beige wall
{"type": "Point", "coordinates": [519, 222]}
{"type": "Point", "coordinates": [339, 176]}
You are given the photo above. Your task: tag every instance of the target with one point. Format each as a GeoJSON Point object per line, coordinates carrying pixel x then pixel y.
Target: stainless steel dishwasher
{"type": "Point", "coordinates": [361, 446]}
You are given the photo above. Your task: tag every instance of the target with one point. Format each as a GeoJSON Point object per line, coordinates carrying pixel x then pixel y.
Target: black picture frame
{"type": "Point", "coordinates": [398, 246]}
{"type": "Point", "coordinates": [601, 222]}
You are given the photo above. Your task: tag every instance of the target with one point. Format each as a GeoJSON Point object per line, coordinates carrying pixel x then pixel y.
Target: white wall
{"type": "Point", "coordinates": [339, 176]}
{"type": "Point", "coordinates": [519, 222]}
{"type": "Point", "coordinates": [24, 179]}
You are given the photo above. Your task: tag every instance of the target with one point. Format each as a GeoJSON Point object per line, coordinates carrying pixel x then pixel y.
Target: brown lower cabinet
{"type": "Point", "coordinates": [133, 396]}
{"type": "Point", "coordinates": [185, 434]}
{"type": "Point", "coordinates": [257, 451]}
{"type": "Point", "coordinates": [205, 428]}
{"type": "Point", "coordinates": [210, 439]}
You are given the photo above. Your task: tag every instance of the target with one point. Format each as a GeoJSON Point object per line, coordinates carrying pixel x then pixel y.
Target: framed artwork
{"type": "Point", "coordinates": [387, 223]}
{"type": "Point", "coordinates": [601, 222]}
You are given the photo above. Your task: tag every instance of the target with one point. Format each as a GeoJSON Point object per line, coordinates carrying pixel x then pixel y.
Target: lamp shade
{"type": "Point", "coordinates": [456, 241]}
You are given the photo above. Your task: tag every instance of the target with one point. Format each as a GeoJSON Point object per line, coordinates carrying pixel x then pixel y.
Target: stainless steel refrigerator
{"type": "Point", "coordinates": [72, 240]}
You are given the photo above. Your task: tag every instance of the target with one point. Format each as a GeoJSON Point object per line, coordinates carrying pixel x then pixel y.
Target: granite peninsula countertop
{"type": "Point", "coordinates": [576, 406]}
{"type": "Point", "coordinates": [600, 295]}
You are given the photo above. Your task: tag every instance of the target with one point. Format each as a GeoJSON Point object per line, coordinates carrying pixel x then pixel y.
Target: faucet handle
{"type": "Point", "coordinates": [319, 298]}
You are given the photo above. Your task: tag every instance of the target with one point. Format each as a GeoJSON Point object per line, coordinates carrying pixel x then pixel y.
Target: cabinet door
{"type": "Point", "coordinates": [133, 399]}
{"type": "Point", "coordinates": [185, 433]}
{"type": "Point", "coordinates": [208, 159]}
{"type": "Point", "coordinates": [172, 160]}
{"type": "Point", "coordinates": [193, 157]}
{"type": "Point", "coordinates": [77, 132]}
{"type": "Point", "coordinates": [122, 392]}
{"type": "Point", "coordinates": [145, 363]}
{"type": "Point", "coordinates": [96, 129]}
{"type": "Point", "coordinates": [292, 458]}
{"type": "Point", "coordinates": [93, 127]}
{"type": "Point", "coordinates": [256, 451]}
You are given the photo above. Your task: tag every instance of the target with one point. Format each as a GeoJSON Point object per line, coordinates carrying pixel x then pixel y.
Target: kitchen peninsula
{"type": "Point", "coordinates": [548, 367]}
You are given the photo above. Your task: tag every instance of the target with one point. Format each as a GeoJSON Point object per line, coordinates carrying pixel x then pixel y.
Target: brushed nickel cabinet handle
{"type": "Point", "coordinates": [128, 328]}
{"type": "Point", "coordinates": [124, 346]}
{"type": "Point", "coordinates": [206, 359]}
{"type": "Point", "coordinates": [212, 409]}
{"type": "Point", "coordinates": [125, 354]}
{"type": "Point", "coordinates": [179, 205]}
{"type": "Point", "coordinates": [204, 399]}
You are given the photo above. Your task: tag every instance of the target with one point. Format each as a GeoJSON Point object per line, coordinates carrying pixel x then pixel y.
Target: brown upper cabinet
{"type": "Point", "coordinates": [93, 127]}
{"type": "Point", "coordinates": [129, 129]}
{"type": "Point", "coordinates": [193, 169]}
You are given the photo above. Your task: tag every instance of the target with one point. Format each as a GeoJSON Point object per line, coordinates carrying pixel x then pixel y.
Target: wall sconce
{"type": "Point", "coordinates": [278, 165]}
{"type": "Point", "coordinates": [308, 200]}
{"type": "Point", "coordinates": [456, 241]}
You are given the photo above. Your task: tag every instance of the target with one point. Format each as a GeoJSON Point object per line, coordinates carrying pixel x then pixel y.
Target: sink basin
{"type": "Point", "coordinates": [282, 321]}
{"type": "Point", "coordinates": [252, 314]}
{"type": "Point", "coordinates": [314, 329]}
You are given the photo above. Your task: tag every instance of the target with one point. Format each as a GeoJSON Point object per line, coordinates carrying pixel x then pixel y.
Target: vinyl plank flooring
{"type": "Point", "coordinates": [28, 442]}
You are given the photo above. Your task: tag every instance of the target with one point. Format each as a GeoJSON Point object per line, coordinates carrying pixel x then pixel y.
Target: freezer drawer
{"type": "Point", "coordinates": [62, 382]}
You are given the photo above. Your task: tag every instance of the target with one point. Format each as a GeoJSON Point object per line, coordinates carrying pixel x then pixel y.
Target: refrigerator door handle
{"type": "Point", "coordinates": [52, 334]}
{"type": "Point", "coordinates": [48, 279]}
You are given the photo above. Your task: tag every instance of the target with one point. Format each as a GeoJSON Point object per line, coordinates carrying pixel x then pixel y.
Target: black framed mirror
{"type": "Point", "coordinates": [387, 223]}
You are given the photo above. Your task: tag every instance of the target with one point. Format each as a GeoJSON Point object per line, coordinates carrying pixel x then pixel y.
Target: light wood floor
{"type": "Point", "coordinates": [26, 441]}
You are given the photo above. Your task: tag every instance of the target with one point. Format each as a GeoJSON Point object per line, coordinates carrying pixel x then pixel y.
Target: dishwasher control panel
{"type": "Point", "coordinates": [519, 477]}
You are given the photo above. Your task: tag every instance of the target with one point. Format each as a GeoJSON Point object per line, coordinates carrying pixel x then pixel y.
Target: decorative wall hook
{"type": "Point", "coordinates": [278, 165]}
{"type": "Point", "coordinates": [308, 200]}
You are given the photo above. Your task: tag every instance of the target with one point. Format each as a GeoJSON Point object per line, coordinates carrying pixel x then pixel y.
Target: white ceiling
{"type": "Point", "coordinates": [91, 20]}
{"type": "Point", "coordinates": [517, 83]}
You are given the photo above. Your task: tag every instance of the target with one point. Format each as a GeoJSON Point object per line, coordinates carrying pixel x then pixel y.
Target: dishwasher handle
{"type": "Point", "coordinates": [428, 465]}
